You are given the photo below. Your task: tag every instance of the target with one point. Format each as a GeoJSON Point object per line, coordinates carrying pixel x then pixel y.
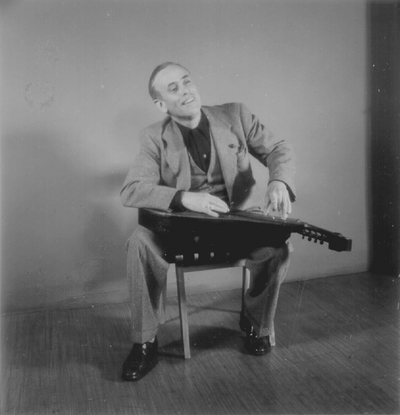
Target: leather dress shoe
{"type": "Point", "coordinates": [255, 345]}
{"type": "Point", "coordinates": [141, 359]}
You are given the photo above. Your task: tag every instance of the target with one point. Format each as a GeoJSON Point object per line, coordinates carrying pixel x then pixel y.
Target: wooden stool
{"type": "Point", "coordinates": [180, 279]}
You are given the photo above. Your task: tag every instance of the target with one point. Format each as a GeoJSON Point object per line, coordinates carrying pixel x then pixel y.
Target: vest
{"type": "Point", "coordinates": [211, 181]}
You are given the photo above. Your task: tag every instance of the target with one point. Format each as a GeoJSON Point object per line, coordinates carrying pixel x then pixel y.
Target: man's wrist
{"type": "Point", "coordinates": [288, 188]}
{"type": "Point", "coordinates": [176, 203]}
{"type": "Point", "coordinates": [278, 181]}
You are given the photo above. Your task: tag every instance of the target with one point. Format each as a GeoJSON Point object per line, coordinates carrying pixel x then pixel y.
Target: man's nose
{"type": "Point", "coordinates": [185, 90]}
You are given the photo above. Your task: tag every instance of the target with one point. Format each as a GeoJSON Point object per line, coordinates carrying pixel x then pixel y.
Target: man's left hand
{"type": "Point", "coordinates": [279, 199]}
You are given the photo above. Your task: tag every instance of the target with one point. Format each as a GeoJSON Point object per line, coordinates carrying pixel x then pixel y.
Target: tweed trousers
{"type": "Point", "coordinates": [147, 274]}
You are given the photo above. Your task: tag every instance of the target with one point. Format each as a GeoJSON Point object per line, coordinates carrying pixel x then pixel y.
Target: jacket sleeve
{"type": "Point", "coordinates": [143, 185]}
{"type": "Point", "coordinates": [277, 155]}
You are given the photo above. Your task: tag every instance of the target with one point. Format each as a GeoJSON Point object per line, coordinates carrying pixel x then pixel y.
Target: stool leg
{"type": "Point", "coordinates": [246, 283]}
{"type": "Point", "coordinates": [163, 305]}
{"type": "Point", "coordinates": [180, 279]}
{"type": "Point", "coordinates": [272, 337]}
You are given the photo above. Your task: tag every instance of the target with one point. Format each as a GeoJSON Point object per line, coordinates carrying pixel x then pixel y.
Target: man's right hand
{"type": "Point", "coordinates": [204, 203]}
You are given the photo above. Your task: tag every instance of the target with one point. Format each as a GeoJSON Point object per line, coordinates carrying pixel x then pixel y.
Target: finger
{"type": "Point", "coordinates": [218, 203]}
{"type": "Point", "coordinates": [210, 210]}
{"type": "Point", "coordinates": [219, 209]}
{"type": "Point", "coordinates": [284, 213]}
{"type": "Point", "coordinates": [284, 207]}
{"type": "Point", "coordinates": [273, 202]}
{"type": "Point", "coordinates": [289, 206]}
{"type": "Point", "coordinates": [214, 208]}
{"type": "Point", "coordinates": [213, 214]}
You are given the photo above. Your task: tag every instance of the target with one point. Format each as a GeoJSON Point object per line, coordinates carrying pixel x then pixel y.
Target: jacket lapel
{"type": "Point", "coordinates": [176, 155]}
{"type": "Point", "coordinates": [227, 147]}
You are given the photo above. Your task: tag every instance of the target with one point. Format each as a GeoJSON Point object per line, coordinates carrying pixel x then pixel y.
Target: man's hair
{"type": "Point", "coordinates": [153, 91]}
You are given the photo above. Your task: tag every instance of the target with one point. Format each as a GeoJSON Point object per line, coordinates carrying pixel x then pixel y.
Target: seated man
{"type": "Point", "coordinates": [198, 159]}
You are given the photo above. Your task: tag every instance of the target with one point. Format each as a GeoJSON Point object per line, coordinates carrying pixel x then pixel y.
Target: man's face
{"type": "Point", "coordinates": [179, 96]}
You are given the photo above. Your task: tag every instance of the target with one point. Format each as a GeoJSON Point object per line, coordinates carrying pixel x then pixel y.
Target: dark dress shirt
{"type": "Point", "coordinates": [198, 144]}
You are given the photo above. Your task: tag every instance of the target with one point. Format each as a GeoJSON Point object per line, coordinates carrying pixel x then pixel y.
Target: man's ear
{"type": "Point", "coordinates": [160, 105]}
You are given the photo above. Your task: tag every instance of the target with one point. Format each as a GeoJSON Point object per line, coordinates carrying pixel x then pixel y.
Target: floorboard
{"type": "Point", "coordinates": [337, 352]}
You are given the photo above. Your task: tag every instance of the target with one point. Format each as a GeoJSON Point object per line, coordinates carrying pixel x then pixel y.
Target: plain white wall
{"type": "Point", "coordinates": [74, 96]}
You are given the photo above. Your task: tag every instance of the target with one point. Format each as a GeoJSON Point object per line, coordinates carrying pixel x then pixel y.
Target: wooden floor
{"type": "Point", "coordinates": [337, 352]}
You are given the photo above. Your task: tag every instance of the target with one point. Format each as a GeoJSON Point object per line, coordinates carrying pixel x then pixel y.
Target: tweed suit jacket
{"type": "Point", "coordinates": [162, 166]}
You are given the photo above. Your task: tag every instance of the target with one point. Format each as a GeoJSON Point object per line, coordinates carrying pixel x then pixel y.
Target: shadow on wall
{"type": "Point", "coordinates": [62, 234]}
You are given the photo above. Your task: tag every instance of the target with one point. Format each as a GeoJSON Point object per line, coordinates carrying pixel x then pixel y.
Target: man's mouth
{"type": "Point", "coordinates": [188, 101]}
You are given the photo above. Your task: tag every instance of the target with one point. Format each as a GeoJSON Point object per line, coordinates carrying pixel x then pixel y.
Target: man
{"type": "Point", "coordinates": [198, 158]}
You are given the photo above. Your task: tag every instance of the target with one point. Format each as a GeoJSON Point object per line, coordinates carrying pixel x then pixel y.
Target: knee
{"type": "Point", "coordinates": [266, 254]}
{"type": "Point", "coordinates": [288, 249]}
{"type": "Point", "coordinates": [144, 242]}
{"type": "Point", "coordinates": [138, 233]}
{"type": "Point", "coordinates": [140, 236]}
{"type": "Point", "coordinates": [283, 253]}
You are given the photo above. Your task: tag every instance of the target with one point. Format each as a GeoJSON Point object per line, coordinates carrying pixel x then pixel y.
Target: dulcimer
{"type": "Point", "coordinates": [239, 226]}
